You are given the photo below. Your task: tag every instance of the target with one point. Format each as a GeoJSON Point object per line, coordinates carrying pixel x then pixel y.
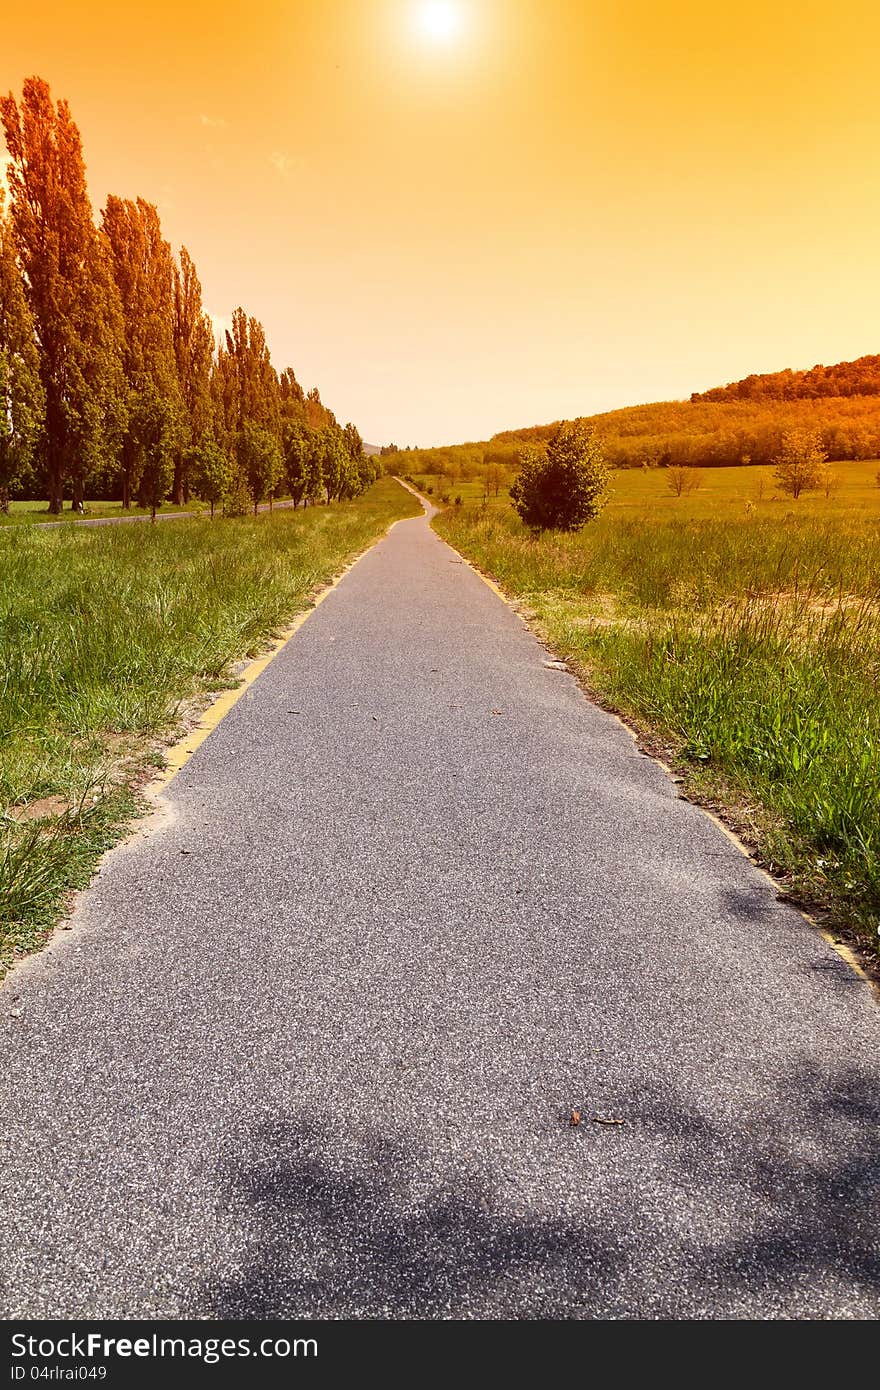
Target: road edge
{"type": "Point", "coordinates": [845, 952]}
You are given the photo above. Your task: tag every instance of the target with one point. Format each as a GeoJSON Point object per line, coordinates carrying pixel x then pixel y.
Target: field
{"type": "Point", "coordinates": [723, 492]}
{"type": "Point", "coordinates": [743, 641]}
{"type": "Point", "coordinates": [106, 635]}
{"type": "Point", "coordinates": [24, 513]}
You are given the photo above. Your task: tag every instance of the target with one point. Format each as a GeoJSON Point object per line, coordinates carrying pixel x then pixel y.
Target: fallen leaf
{"type": "Point", "coordinates": [575, 1118]}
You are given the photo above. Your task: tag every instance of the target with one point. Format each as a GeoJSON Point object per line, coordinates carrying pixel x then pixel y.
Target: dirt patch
{"type": "Point", "coordinates": [48, 808]}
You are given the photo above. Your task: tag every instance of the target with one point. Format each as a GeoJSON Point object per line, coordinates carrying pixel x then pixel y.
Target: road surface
{"type": "Point", "coordinates": [312, 1045]}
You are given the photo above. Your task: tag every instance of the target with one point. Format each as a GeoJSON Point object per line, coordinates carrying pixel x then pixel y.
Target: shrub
{"type": "Point", "coordinates": [566, 487]}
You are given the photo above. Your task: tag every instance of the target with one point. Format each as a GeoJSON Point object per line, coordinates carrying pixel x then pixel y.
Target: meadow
{"type": "Point", "coordinates": [740, 634]}
{"type": "Point", "coordinates": [30, 513]}
{"type": "Point", "coordinates": [107, 637]}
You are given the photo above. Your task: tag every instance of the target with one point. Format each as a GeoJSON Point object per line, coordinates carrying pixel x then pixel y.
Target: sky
{"type": "Point", "coordinates": [461, 216]}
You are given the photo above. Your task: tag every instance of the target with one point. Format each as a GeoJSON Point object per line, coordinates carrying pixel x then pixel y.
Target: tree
{"type": "Point", "coordinates": [369, 470]}
{"type": "Point", "coordinates": [253, 391]}
{"type": "Point", "coordinates": [143, 272]}
{"type": "Point", "coordinates": [193, 341]}
{"type": "Point", "coordinates": [495, 478]}
{"type": "Point", "coordinates": [260, 461]}
{"type": "Point", "coordinates": [154, 431]}
{"type": "Point", "coordinates": [799, 462]}
{"type": "Point", "coordinates": [566, 487]}
{"type": "Point", "coordinates": [70, 289]}
{"type": "Point", "coordinates": [211, 471]}
{"type": "Point", "coordinates": [22, 401]}
{"type": "Point", "coordinates": [353, 442]}
{"type": "Point", "coordinates": [291, 395]}
{"type": "Point", "coordinates": [682, 481]}
{"type": "Point", "coordinates": [334, 457]}
{"type": "Point", "coordinates": [298, 447]}
{"type": "Point", "coordinates": [829, 480]}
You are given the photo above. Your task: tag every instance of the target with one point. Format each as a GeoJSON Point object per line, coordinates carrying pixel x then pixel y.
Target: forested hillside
{"type": "Point", "coordinates": [859, 378]}
{"type": "Point", "coordinates": [731, 425]}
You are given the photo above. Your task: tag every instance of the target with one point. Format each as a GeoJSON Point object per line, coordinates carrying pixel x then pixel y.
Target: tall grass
{"type": "Point", "coordinates": [103, 634]}
{"type": "Point", "coordinates": [753, 647]}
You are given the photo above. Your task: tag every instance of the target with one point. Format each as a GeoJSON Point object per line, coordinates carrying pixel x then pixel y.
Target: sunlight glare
{"type": "Point", "coordinates": [439, 21]}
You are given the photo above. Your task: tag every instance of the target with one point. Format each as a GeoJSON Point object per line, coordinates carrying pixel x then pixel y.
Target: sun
{"type": "Point", "coordinates": [439, 21]}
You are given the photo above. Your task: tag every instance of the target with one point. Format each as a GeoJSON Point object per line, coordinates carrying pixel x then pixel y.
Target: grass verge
{"type": "Point", "coordinates": [747, 652]}
{"type": "Point", "coordinates": [107, 636]}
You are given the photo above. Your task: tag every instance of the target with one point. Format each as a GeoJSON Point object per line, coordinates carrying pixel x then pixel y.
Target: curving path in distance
{"type": "Point", "coordinates": [312, 1045]}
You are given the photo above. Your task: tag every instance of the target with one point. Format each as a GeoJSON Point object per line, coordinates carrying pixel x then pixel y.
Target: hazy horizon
{"type": "Point", "coordinates": [554, 210]}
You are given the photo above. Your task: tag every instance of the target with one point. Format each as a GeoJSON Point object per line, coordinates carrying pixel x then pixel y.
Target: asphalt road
{"type": "Point", "coordinates": [311, 1046]}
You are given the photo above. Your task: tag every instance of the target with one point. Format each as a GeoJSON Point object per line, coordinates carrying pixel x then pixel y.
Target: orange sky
{"type": "Point", "coordinates": [569, 205]}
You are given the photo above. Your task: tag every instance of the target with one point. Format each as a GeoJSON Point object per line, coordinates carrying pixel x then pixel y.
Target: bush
{"type": "Point", "coordinates": [237, 501]}
{"type": "Point", "coordinates": [458, 502]}
{"type": "Point", "coordinates": [566, 487]}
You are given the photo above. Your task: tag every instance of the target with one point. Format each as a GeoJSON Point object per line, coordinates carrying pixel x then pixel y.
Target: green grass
{"type": "Point", "coordinates": [722, 493]}
{"type": "Point", "coordinates": [748, 644]}
{"type": "Point", "coordinates": [104, 635]}
{"type": "Point", "coordinates": [30, 513]}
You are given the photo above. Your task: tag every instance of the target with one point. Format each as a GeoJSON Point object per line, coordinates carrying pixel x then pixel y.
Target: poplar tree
{"type": "Point", "coordinates": [254, 382]}
{"type": "Point", "coordinates": [291, 396]}
{"type": "Point", "coordinates": [247, 406]}
{"type": "Point", "coordinates": [193, 338]}
{"type": "Point", "coordinates": [22, 401]}
{"type": "Point", "coordinates": [143, 271]}
{"type": "Point", "coordinates": [69, 288]}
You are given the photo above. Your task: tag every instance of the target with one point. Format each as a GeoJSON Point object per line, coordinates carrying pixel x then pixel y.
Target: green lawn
{"type": "Point", "coordinates": [21, 513]}
{"type": "Point", "coordinates": [105, 634]}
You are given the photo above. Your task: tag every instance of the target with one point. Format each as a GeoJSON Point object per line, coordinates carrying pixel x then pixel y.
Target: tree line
{"type": "Point", "coordinates": [858, 378]}
{"type": "Point", "coordinates": [110, 379]}
{"type": "Point", "coordinates": [689, 434]}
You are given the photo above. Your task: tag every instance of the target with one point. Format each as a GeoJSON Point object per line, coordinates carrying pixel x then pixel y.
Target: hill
{"type": "Point", "coordinates": [859, 378]}
{"type": "Point", "coordinates": [742, 423]}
